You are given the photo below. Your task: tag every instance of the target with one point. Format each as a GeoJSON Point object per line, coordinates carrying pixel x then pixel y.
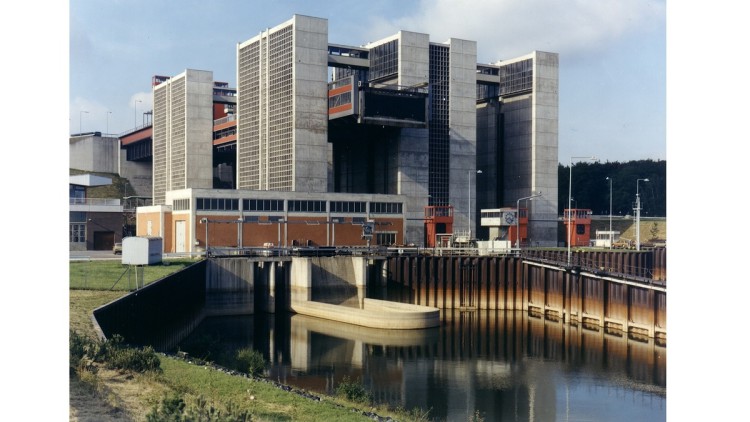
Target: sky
{"type": "Point", "coordinates": [612, 99]}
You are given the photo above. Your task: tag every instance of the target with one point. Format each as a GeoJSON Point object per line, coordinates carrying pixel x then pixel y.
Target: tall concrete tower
{"type": "Point", "coordinates": [282, 108]}
{"type": "Point", "coordinates": [182, 133]}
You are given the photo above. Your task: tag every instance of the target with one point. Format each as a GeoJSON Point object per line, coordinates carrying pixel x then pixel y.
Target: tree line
{"type": "Point", "coordinates": [591, 189]}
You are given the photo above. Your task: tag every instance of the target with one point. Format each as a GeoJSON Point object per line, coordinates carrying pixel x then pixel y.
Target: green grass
{"type": "Point", "coordinates": [111, 274]}
{"type": "Point", "coordinates": [264, 400]}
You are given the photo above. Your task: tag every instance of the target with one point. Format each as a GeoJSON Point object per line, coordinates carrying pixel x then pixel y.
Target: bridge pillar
{"type": "Point", "coordinates": [271, 299]}
{"type": "Point", "coordinates": [301, 280]}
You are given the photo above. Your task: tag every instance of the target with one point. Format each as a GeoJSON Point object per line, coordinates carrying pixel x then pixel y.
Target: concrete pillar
{"type": "Point", "coordinates": [383, 282]}
{"type": "Point", "coordinates": [360, 271]}
{"type": "Point", "coordinates": [271, 299]}
{"type": "Point", "coordinates": [301, 280]}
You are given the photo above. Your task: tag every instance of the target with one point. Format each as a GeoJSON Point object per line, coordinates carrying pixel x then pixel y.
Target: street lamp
{"type": "Point", "coordinates": [108, 113]}
{"type": "Point", "coordinates": [478, 172]}
{"type": "Point", "coordinates": [610, 211]}
{"type": "Point", "coordinates": [80, 120]}
{"type": "Point", "coordinates": [135, 112]}
{"type": "Point", "coordinates": [518, 216]}
{"type": "Point", "coordinates": [570, 199]}
{"type": "Point", "coordinates": [638, 216]}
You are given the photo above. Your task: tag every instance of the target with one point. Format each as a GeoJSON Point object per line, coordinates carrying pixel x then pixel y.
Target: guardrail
{"type": "Point", "coordinates": [355, 250]}
{"type": "Point", "coordinates": [95, 201]}
{"type": "Point", "coordinates": [228, 118]}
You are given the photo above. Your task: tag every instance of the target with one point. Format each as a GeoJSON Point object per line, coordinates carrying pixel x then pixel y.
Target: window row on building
{"type": "Point", "coordinates": [292, 205]}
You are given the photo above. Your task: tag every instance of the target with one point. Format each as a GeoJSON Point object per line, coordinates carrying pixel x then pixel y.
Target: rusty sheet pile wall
{"type": "Point", "coordinates": [570, 295]}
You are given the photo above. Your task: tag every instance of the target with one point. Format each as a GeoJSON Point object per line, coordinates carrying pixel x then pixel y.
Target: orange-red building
{"type": "Point", "coordinates": [193, 219]}
{"type": "Point", "coordinates": [577, 226]}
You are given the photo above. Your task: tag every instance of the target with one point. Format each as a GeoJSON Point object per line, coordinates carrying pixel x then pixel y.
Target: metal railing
{"type": "Point", "coordinates": [95, 201]}
{"type": "Point", "coordinates": [627, 272]}
{"type": "Point", "coordinates": [228, 118]}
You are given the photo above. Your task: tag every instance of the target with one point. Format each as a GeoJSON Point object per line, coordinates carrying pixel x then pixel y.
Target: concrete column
{"type": "Point", "coordinates": [301, 280]}
{"type": "Point", "coordinates": [271, 300]}
{"type": "Point", "coordinates": [360, 271]}
{"type": "Point", "coordinates": [384, 274]}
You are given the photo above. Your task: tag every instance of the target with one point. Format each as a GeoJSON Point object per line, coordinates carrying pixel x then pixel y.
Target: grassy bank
{"type": "Point", "coordinates": [113, 275]}
{"type": "Point", "coordinates": [98, 392]}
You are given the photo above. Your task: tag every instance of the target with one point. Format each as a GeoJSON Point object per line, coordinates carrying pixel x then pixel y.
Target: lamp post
{"type": "Point", "coordinates": [80, 120]}
{"type": "Point", "coordinates": [135, 113]}
{"type": "Point", "coordinates": [638, 216]}
{"type": "Point", "coordinates": [518, 216]}
{"type": "Point", "coordinates": [108, 113]}
{"type": "Point", "coordinates": [570, 199]}
{"type": "Point", "coordinates": [610, 211]}
{"type": "Point", "coordinates": [478, 172]}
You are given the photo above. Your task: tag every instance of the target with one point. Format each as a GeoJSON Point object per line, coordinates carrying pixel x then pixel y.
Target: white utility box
{"type": "Point", "coordinates": [141, 250]}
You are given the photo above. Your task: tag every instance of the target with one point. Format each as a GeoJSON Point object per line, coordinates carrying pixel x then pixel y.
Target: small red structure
{"type": "Point", "coordinates": [577, 226]}
{"type": "Point", "coordinates": [438, 219]}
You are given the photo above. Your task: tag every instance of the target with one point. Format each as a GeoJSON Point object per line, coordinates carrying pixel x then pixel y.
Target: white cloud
{"type": "Point", "coordinates": [508, 28]}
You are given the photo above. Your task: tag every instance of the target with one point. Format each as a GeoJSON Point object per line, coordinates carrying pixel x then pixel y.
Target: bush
{"type": "Point", "coordinates": [251, 361]}
{"type": "Point", "coordinates": [78, 345]}
{"type": "Point", "coordinates": [112, 353]}
{"type": "Point", "coordinates": [171, 409]}
{"type": "Point", "coordinates": [353, 391]}
{"type": "Point", "coordinates": [174, 408]}
{"type": "Point", "coordinates": [137, 360]}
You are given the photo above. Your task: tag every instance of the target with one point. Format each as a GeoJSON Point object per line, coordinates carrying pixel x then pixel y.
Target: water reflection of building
{"type": "Point", "coordinates": [502, 366]}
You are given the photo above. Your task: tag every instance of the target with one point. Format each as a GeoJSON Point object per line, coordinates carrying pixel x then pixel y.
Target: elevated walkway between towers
{"type": "Point", "coordinates": [356, 102]}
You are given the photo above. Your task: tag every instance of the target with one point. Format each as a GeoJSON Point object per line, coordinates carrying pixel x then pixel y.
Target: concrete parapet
{"type": "Point", "coordinates": [376, 314]}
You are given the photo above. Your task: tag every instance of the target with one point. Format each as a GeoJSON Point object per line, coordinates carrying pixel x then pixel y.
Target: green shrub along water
{"type": "Point", "coordinates": [250, 361]}
{"type": "Point", "coordinates": [175, 408]}
{"type": "Point", "coordinates": [353, 391]}
{"type": "Point", "coordinates": [113, 354]}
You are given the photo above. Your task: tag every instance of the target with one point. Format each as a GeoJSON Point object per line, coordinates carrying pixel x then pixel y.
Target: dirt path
{"type": "Point", "coordinates": [88, 405]}
{"type": "Point", "coordinates": [116, 397]}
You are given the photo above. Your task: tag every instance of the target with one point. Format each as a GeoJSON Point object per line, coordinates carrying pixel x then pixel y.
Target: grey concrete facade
{"type": "Point", "coordinates": [543, 216]}
{"type": "Point", "coordinates": [474, 151]}
{"type": "Point", "coordinates": [462, 123]}
{"type": "Point", "coordinates": [282, 109]}
{"type": "Point", "coordinates": [104, 154]}
{"type": "Point", "coordinates": [517, 130]}
{"type": "Point", "coordinates": [182, 130]}
{"type": "Point", "coordinates": [92, 152]}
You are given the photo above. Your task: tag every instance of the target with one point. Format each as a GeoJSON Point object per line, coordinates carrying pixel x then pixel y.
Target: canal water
{"type": "Point", "coordinates": [497, 365]}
